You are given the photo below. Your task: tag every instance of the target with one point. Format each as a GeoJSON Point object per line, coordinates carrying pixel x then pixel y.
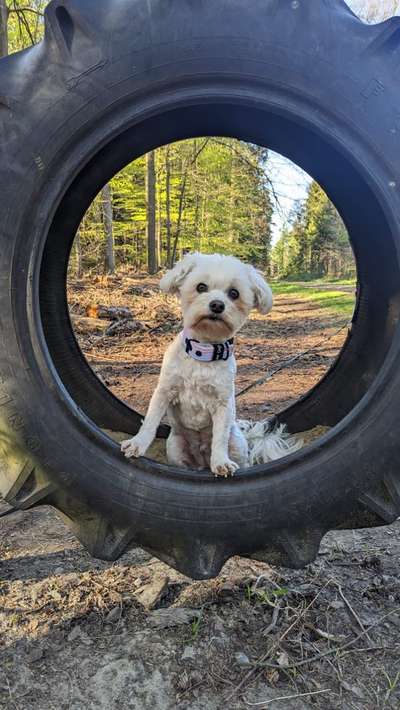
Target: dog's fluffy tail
{"type": "Point", "coordinates": [268, 441]}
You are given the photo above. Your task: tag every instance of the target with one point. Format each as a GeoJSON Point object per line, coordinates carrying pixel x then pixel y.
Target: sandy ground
{"type": "Point", "coordinates": [77, 633]}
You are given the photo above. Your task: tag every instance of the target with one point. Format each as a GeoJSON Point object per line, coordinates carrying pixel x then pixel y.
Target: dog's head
{"type": "Point", "coordinates": [217, 294]}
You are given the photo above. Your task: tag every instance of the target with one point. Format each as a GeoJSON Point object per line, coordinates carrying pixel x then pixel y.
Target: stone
{"type": "Point", "coordinates": [149, 594]}
{"type": "Point", "coordinates": [113, 615]}
{"type": "Point", "coordinates": [35, 655]}
{"type": "Point", "coordinates": [242, 660]}
{"type": "Point", "coordinates": [188, 654]}
{"type": "Point", "coordinates": [176, 616]}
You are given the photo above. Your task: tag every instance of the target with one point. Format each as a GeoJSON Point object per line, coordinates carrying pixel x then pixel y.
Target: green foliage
{"type": "Point", "coordinates": [195, 627]}
{"type": "Point", "coordinates": [212, 195]}
{"type": "Point", "coordinates": [25, 23]}
{"type": "Point", "coordinates": [265, 596]}
{"type": "Point", "coordinates": [316, 242]}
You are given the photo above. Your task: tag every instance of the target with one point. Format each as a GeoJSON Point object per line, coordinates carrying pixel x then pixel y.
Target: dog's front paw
{"type": "Point", "coordinates": [133, 448]}
{"type": "Point", "coordinates": [223, 467]}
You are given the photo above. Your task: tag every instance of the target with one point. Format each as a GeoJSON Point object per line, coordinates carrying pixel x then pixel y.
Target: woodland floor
{"type": "Point", "coordinates": [129, 363]}
{"type": "Point", "coordinates": [76, 633]}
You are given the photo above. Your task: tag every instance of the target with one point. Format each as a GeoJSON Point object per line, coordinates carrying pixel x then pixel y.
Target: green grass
{"type": "Point", "coordinates": [306, 278]}
{"type": "Point", "coordinates": [195, 627]}
{"type": "Point", "coordinates": [336, 301]}
{"type": "Point", "coordinates": [265, 596]}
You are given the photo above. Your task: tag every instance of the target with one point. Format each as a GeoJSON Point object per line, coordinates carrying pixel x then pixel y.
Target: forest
{"type": "Point", "coordinates": [315, 243]}
{"type": "Point", "coordinates": [206, 194]}
{"type": "Point", "coordinates": [210, 194]}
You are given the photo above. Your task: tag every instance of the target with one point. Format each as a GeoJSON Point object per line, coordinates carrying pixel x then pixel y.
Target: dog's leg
{"type": "Point", "coordinates": [178, 452]}
{"type": "Point", "coordinates": [138, 445]}
{"type": "Point", "coordinates": [178, 449]}
{"type": "Point", "coordinates": [221, 464]}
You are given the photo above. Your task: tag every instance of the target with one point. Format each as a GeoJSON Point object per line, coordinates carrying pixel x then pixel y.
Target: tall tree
{"type": "Point", "coordinates": [201, 203]}
{"type": "Point", "coordinates": [3, 28]}
{"type": "Point", "coordinates": [186, 166]}
{"type": "Point", "coordinates": [108, 228]}
{"type": "Point", "coordinates": [316, 244]}
{"type": "Point", "coordinates": [78, 256]}
{"type": "Point", "coordinates": [152, 241]}
{"type": "Point", "coordinates": [168, 200]}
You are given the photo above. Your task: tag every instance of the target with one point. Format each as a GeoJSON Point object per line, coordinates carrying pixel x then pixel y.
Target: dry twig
{"type": "Point", "coordinates": [337, 649]}
{"type": "Point", "coordinates": [263, 703]}
{"type": "Point", "coordinates": [352, 612]}
{"type": "Point", "coordinates": [275, 615]}
{"type": "Point", "coordinates": [274, 646]}
{"type": "Point", "coordinates": [290, 361]}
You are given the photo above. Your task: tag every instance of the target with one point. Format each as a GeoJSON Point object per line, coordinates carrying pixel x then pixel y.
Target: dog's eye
{"type": "Point", "coordinates": [202, 288]}
{"type": "Point", "coordinates": [234, 294]}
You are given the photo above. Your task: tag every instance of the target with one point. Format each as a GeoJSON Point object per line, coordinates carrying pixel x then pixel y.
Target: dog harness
{"type": "Point", "coordinates": [207, 352]}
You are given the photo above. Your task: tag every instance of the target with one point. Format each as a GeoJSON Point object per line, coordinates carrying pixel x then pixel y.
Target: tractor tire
{"type": "Point", "coordinates": [110, 81]}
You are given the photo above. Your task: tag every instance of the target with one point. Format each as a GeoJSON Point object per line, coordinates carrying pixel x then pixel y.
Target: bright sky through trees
{"type": "Point", "coordinates": [291, 182]}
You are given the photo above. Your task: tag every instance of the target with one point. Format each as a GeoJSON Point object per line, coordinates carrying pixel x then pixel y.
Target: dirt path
{"type": "Point", "coordinates": [129, 365]}
{"type": "Point", "coordinates": [75, 633]}
{"type": "Point", "coordinates": [344, 288]}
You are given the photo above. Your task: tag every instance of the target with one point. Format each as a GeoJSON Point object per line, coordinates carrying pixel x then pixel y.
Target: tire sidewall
{"type": "Point", "coordinates": [65, 443]}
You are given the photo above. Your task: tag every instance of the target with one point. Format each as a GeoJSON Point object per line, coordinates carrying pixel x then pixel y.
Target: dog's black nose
{"type": "Point", "coordinates": [217, 306]}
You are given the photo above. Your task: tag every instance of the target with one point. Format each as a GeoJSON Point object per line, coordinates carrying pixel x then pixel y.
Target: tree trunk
{"type": "Point", "coordinates": [202, 218]}
{"type": "Point", "coordinates": [152, 247]}
{"type": "Point", "coordinates": [3, 29]}
{"type": "Point", "coordinates": [168, 201]}
{"type": "Point", "coordinates": [182, 192]}
{"type": "Point", "coordinates": [182, 195]}
{"type": "Point", "coordinates": [159, 206]}
{"type": "Point", "coordinates": [108, 229]}
{"type": "Point", "coordinates": [196, 224]}
{"type": "Point", "coordinates": [78, 256]}
{"type": "Point", "coordinates": [232, 199]}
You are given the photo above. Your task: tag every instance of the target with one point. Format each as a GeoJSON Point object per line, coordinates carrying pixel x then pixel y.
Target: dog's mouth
{"type": "Point", "coordinates": [212, 325]}
{"type": "Point", "coordinates": [213, 318]}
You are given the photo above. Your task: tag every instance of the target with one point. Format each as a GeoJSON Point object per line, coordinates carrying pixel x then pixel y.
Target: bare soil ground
{"type": "Point", "coordinates": [129, 363]}
{"type": "Point", "coordinates": [77, 633]}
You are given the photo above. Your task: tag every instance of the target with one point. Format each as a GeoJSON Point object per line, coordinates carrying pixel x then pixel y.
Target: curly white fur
{"type": "Point", "coordinates": [199, 397]}
{"type": "Point", "coordinates": [268, 444]}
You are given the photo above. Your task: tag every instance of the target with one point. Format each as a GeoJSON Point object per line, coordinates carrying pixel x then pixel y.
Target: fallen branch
{"type": "Point", "coordinates": [96, 310]}
{"type": "Point", "coordinates": [124, 327]}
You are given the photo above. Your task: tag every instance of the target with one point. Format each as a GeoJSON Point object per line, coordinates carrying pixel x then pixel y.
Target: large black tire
{"type": "Point", "coordinates": [111, 80]}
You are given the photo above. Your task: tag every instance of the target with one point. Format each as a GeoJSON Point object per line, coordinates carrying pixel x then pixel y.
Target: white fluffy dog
{"type": "Point", "coordinates": [197, 382]}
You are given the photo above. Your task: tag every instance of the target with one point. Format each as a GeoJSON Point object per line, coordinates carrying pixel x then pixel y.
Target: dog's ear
{"type": "Point", "coordinates": [173, 279]}
{"type": "Point", "coordinates": [263, 298]}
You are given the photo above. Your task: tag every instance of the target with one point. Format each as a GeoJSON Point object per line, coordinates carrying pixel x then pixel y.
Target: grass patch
{"type": "Point", "coordinates": [336, 301]}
